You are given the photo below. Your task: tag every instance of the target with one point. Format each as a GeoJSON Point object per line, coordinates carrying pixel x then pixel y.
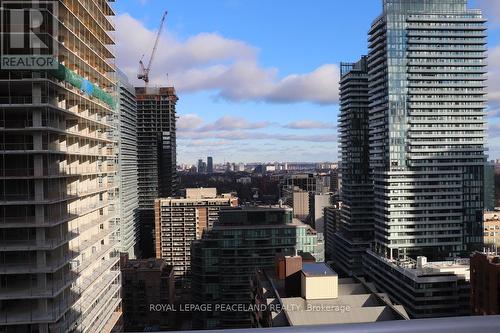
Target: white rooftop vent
{"type": "Point", "coordinates": [421, 261]}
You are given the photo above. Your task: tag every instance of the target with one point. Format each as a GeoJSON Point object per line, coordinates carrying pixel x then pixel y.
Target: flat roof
{"type": "Point", "coordinates": [317, 269]}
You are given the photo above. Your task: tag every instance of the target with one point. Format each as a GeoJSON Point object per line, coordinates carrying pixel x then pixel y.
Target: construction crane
{"type": "Point", "coordinates": [144, 70]}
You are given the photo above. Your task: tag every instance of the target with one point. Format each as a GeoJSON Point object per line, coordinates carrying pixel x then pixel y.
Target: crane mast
{"type": "Point", "coordinates": [145, 70]}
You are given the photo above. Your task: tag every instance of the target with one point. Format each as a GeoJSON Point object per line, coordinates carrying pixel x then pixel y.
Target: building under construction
{"type": "Point", "coordinates": [58, 263]}
{"type": "Point", "coordinates": [156, 145]}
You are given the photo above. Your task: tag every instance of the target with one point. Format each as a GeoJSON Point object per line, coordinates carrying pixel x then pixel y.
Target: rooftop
{"type": "Point", "coordinates": [412, 268]}
{"type": "Point", "coordinates": [356, 303]}
{"type": "Point", "coordinates": [317, 269]}
{"type": "Point", "coordinates": [332, 300]}
{"type": "Point", "coordinates": [151, 264]}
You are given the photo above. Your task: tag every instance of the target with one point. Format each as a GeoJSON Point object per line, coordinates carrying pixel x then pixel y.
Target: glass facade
{"type": "Point", "coordinates": [225, 260]}
{"type": "Point", "coordinates": [355, 225]}
{"type": "Point", "coordinates": [427, 127]}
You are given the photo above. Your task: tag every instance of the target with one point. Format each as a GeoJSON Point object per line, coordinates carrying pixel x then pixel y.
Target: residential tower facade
{"type": "Point", "coordinates": [427, 72]}
{"type": "Point", "coordinates": [59, 264]}
{"type": "Point", "coordinates": [355, 225]}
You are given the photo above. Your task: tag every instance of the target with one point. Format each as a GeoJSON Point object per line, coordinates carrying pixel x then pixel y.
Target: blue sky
{"type": "Point", "coordinates": [258, 80]}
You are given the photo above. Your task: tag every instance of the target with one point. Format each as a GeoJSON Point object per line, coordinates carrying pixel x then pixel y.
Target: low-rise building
{"type": "Point", "coordinates": [485, 283]}
{"type": "Point", "coordinates": [146, 283]}
{"type": "Point", "coordinates": [425, 289]}
{"type": "Point", "coordinates": [303, 293]}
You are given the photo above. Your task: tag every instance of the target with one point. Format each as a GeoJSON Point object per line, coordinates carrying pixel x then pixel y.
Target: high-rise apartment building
{"type": "Point", "coordinates": [355, 226]}
{"type": "Point", "coordinates": [128, 200]}
{"type": "Point", "coordinates": [426, 68]}
{"type": "Point", "coordinates": [180, 221]}
{"type": "Point", "coordinates": [210, 164]}
{"type": "Point", "coordinates": [157, 175]}
{"type": "Point", "coordinates": [58, 260]}
{"type": "Point", "coordinates": [224, 261]}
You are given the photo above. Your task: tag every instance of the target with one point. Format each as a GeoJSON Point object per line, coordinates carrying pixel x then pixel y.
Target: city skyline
{"type": "Point", "coordinates": [190, 188]}
{"type": "Point", "coordinates": [220, 115]}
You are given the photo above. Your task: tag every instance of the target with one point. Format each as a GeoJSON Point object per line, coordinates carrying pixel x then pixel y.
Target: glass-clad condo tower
{"type": "Point", "coordinates": [128, 196]}
{"type": "Point", "coordinates": [427, 127]}
{"type": "Point", "coordinates": [355, 225]}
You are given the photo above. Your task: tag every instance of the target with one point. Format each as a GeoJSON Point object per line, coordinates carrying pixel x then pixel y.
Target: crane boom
{"type": "Point", "coordinates": [144, 71]}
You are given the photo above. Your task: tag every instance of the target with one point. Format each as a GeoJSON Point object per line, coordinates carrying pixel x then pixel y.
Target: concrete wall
{"type": "Point", "coordinates": [319, 287]}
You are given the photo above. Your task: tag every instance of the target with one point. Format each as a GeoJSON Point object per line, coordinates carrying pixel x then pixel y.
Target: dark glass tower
{"type": "Point", "coordinates": [355, 225]}
{"type": "Point", "coordinates": [157, 164]}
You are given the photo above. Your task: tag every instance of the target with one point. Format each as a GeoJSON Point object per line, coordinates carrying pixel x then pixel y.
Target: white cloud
{"type": "Point", "coordinates": [228, 123]}
{"type": "Point", "coordinates": [209, 61]}
{"type": "Point", "coordinates": [253, 136]}
{"type": "Point", "coordinates": [189, 122]}
{"type": "Point", "coordinates": [494, 130]}
{"type": "Point", "coordinates": [491, 10]}
{"type": "Point", "coordinates": [309, 124]}
{"type": "Point", "coordinates": [193, 122]}
{"type": "Point", "coordinates": [494, 74]}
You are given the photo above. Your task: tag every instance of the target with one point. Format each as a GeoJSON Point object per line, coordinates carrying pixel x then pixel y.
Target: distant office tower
{"type": "Point", "coordinates": [334, 180]}
{"type": "Point", "coordinates": [180, 221]}
{"type": "Point", "coordinates": [146, 283]}
{"type": "Point", "coordinates": [355, 227]}
{"type": "Point", "coordinates": [317, 204]}
{"type": "Point", "coordinates": [210, 165]}
{"type": "Point", "coordinates": [58, 265]}
{"type": "Point", "coordinates": [225, 259]}
{"type": "Point", "coordinates": [427, 127]}
{"type": "Point", "coordinates": [201, 166]}
{"type": "Point", "coordinates": [128, 198]}
{"type": "Point", "coordinates": [156, 145]}
{"type": "Point", "coordinates": [295, 190]}
{"type": "Point", "coordinates": [298, 200]}
{"type": "Point", "coordinates": [332, 217]}
{"type": "Point", "coordinates": [306, 182]}
{"type": "Point", "coordinates": [489, 185]}
{"type": "Point", "coordinates": [485, 283]}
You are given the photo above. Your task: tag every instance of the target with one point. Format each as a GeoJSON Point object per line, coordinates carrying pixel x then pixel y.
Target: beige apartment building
{"type": "Point", "coordinates": [180, 221]}
{"type": "Point", "coordinates": [59, 266]}
{"type": "Point", "coordinates": [492, 229]}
